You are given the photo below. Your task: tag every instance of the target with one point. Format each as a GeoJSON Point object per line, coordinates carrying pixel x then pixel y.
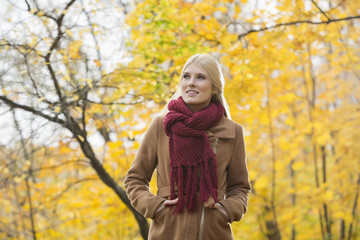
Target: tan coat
{"type": "Point", "coordinates": [227, 141]}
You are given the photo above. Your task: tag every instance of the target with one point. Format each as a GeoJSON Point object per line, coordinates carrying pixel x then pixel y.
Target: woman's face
{"type": "Point", "coordinates": [196, 88]}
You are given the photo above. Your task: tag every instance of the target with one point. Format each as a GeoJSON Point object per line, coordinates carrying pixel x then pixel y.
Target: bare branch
{"type": "Point", "coordinates": [240, 36]}
{"type": "Point", "coordinates": [323, 13]}
{"type": "Point", "coordinates": [116, 103]}
{"type": "Point", "coordinates": [215, 41]}
{"type": "Point", "coordinates": [31, 77]}
{"type": "Point", "coordinates": [84, 103]}
{"type": "Point", "coordinates": [52, 167]}
{"type": "Point", "coordinates": [20, 47]}
{"type": "Point", "coordinates": [28, 5]}
{"type": "Point", "coordinates": [68, 187]}
{"type": "Point", "coordinates": [38, 11]}
{"type": "Point", "coordinates": [95, 40]}
{"type": "Point", "coordinates": [26, 108]}
{"type": "Point", "coordinates": [53, 46]}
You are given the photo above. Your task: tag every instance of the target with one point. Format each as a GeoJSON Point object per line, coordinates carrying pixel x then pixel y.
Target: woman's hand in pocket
{"type": "Point", "coordinates": [221, 209]}
{"type": "Point", "coordinates": [166, 203]}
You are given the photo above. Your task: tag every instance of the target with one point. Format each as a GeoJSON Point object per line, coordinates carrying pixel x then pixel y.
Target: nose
{"type": "Point", "coordinates": [192, 81]}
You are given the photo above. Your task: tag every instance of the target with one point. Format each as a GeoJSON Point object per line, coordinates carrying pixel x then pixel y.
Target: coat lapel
{"type": "Point", "coordinates": [224, 129]}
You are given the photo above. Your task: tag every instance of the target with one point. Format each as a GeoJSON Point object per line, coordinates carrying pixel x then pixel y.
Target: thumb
{"type": "Point", "coordinates": [171, 202]}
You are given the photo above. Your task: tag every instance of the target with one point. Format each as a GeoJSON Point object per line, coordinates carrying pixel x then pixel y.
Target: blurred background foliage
{"type": "Point", "coordinates": [81, 79]}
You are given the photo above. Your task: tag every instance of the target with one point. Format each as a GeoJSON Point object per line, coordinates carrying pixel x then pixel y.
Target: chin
{"type": "Point", "coordinates": [190, 101]}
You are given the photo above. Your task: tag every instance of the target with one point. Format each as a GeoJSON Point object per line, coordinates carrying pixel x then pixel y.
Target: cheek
{"type": "Point", "coordinates": [182, 86]}
{"type": "Point", "coordinates": [209, 88]}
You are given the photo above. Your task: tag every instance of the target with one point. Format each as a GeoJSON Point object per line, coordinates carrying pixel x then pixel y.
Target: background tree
{"type": "Point", "coordinates": [53, 68]}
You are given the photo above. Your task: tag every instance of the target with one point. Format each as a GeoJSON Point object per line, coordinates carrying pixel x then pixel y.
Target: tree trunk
{"type": "Point", "coordinates": [354, 208]}
{"type": "Point", "coordinates": [293, 197]}
{"type": "Point", "coordinates": [272, 226]}
{"type": "Point", "coordinates": [74, 128]}
{"type": "Point", "coordinates": [31, 211]}
{"type": "Point", "coordinates": [272, 230]}
{"type": "Point", "coordinates": [110, 182]}
{"type": "Point", "coordinates": [311, 100]}
{"type": "Point", "coordinates": [342, 229]}
{"type": "Point", "coordinates": [326, 214]}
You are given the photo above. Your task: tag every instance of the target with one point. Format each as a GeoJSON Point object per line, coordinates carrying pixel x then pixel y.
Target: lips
{"type": "Point", "coordinates": [192, 92]}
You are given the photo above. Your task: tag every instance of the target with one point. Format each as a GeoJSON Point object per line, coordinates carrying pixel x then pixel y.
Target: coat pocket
{"type": "Point", "coordinates": [217, 226]}
{"type": "Point", "coordinates": [221, 215]}
{"type": "Point", "coordinates": [159, 216]}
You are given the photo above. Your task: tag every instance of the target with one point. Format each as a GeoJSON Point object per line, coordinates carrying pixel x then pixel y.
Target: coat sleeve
{"type": "Point", "coordinates": [238, 185]}
{"type": "Point", "coordinates": [139, 175]}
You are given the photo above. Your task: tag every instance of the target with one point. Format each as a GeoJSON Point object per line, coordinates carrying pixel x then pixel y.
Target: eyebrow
{"type": "Point", "coordinates": [202, 74]}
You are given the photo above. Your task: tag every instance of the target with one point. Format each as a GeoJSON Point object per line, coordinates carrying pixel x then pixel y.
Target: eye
{"type": "Point", "coordinates": [201, 77]}
{"type": "Point", "coordinates": [186, 76]}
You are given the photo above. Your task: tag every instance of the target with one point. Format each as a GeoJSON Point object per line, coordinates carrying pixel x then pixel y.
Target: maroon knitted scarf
{"type": "Point", "coordinates": [191, 154]}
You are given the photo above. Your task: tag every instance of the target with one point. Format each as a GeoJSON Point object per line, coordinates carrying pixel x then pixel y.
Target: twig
{"type": "Point", "coordinates": [240, 36]}
{"type": "Point", "coordinates": [328, 18]}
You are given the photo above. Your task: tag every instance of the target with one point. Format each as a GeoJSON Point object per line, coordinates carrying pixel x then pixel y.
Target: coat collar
{"type": "Point", "coordinates": [224, 129]}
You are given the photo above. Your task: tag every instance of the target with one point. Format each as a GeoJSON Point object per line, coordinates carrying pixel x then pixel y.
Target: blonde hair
{"type": "Point", "coordinates": [212, 68]}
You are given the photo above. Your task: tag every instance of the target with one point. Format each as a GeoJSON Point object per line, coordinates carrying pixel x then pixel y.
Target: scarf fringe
{"type": "Point", "coordinates": [207, 186]}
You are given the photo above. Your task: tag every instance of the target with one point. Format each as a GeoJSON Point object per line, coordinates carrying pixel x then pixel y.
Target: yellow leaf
{"type": "Point", "coordinates": [4, 91]}
{"type": "Point", "coordinates": [40, 13]}
{"type": "Point", "coordinates": [222, 9]}
{"type": "Point", "coordinates": [130, 134]}
{"type": "Point", "coordinates": [249, 75]}
{"type": "Point", "coordinates": [68, 32]}
{"type": "Point", "coordinates": [41, 99]}
{"type": "Point", "coordinates": [89, 82]}
{"type": "Point", "coordinates": [78, 109]}
{"type": "Point", "coordinates": [67, 77]}
{"type": "Point", "coordinates": [298, 165]}
{"type": "Point", "coordinates": [74, 49]}
{"type": "Point", "coordinates": [329, 195]}
{"type": "Point", "coordinates": [98, 63]}
{"type": "Point", "coordinates": [33, 10]}
{"type": "Point", "coordinates": [33, 42]}
{"type": "Point", "coordinates": [19, 179]}
{"type": "Point", "coordinates": [57, 109]}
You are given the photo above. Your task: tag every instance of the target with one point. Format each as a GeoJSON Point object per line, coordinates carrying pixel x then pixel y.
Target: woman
{"type": "Point", "coordinates": [199, 155]}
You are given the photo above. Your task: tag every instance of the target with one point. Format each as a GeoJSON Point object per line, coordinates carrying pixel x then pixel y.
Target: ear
{"type": "Point", "coordinates": [214, 91]}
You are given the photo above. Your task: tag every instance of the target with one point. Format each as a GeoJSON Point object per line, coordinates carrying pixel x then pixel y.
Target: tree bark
{"type": "Point", "coordinates": [31, 211]}
{"type": "Point", "coordinates": [311, 106]}
{"type": "Point", "coordinates": [354, 207]}
{"type": "Point", "coordinates": [293, 197]}
{"type": "Point", "coordinates": [272, 226]}
{"type": "Point", "coordinates": [110, 182]}
{"type": "Point", "coordinates": [326, 214]}
{"type": "Point", "coordinates": [342, 229]}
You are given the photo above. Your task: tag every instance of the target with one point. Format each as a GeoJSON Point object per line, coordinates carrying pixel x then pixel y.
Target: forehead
{"type": "Point", "coordinates": [193, 68]}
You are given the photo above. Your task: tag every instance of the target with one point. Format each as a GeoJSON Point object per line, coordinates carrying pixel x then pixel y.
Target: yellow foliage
{"type": "Point", "coordinates": [74, 49]}
{"type": "Point", "coordinates": [293, 88]}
